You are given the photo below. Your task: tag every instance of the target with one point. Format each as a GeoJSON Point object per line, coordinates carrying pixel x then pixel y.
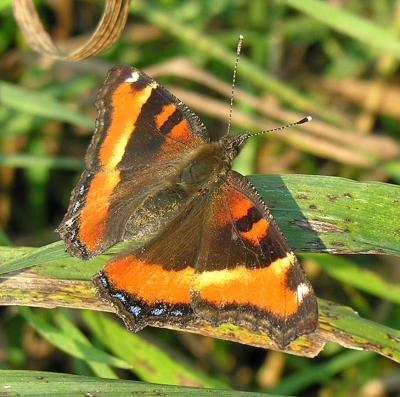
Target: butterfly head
{"type": "Point", "coordinates": [233, 144]}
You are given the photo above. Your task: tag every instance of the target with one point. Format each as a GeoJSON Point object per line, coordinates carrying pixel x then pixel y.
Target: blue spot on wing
{"type": "Point", "coordinates": [120, 297]}
{"type": "Point", "coordinates": [177, 313]}
{"type": "Point", "coordinates": [135, 310]}
{"type": "Point", "coordinates": [157, 311]}
{"type": "Point", "coordinates": [103, 281]}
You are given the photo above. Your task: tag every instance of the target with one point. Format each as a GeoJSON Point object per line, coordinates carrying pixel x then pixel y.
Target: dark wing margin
{"type": "Point", "coordinates": [141, 130]}
{"type": "Point", "coordinates": [246, 274]}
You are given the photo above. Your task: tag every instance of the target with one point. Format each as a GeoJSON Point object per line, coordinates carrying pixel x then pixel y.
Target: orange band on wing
{"type": "Point", "coordinates": [149, 282]}
{"type": "Point", "coordinates": [181, 132]}
{"type": "Point", "coordinates": [257, 232]}
{"type": "Point", "coordinates": [239, 205]}
{"type": "Point", "coordinates": [126, 104]}
{"type": "Point", "coordinates": [164, 115]}
{"type": "Point", "coordinates": [95, 210]}
{"type": "Point", "coordinates": [263, 288]}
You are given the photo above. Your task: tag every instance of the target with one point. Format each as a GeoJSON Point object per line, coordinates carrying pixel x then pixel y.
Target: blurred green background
{"type": "Point", "coordinates": [336, 60]}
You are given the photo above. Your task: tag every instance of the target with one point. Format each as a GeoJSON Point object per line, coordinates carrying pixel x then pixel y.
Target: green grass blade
{"type": "Point", "coordinates": [31, 102]}
{"type": "Point", "coordinates": [336, 323]}
{"type": "Point", "coordinates": [39, 383]}
{"type": "Point", "coordinates": [148, 362]}
{"type": "Point", "coordinates": [18, 259]}
{"type": "Point", "coordinates": [315, 213]}
{"type": "Point", "coordinates": [68, 343]}
{"type": "Point", "coordinates": [331, 214]}
{"type": "Point", "coordinates": [341, 324]}
{"type": "Point", "coordinates": [354, 26]}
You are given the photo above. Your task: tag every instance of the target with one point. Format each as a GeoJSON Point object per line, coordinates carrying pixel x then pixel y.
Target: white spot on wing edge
{"type": "Point", "coordinates": [69, 222]}
{"type": "Point", "coordinates": [133, 77]}
{"type": "Point", "coordinates": [302, 291]}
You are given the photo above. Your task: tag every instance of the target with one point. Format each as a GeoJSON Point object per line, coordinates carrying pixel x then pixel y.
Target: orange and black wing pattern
{"type": "Point", "coordinates": [222, 260]}
{"type": "Point", "coordinates": [151, 285]}
{"type": "Point", "coordinates": [245, 272]}
{"type": "Point", "coordinates": [140, 129]}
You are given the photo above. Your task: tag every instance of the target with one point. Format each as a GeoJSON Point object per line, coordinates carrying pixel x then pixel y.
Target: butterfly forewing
{"type": "Point", "coordinates": [141, 131]}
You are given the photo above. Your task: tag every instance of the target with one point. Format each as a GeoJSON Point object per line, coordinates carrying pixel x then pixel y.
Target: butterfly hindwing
{"type": "Point", "coordinates": [151, 285]}
{"type": "Point", "coordinates": [140, 130]}
{"type": "Point", "coordinates": [222, 260]}
{"type": "Point", "coordinates": [246, 274]}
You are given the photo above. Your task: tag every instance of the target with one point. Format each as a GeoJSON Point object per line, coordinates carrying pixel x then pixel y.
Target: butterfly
{"type": "Point", "coordinates": [213, 250]}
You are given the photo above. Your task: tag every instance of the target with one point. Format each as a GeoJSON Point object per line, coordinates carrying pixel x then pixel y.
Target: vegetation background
{"type": "Point", "coordinates": [336, 60]}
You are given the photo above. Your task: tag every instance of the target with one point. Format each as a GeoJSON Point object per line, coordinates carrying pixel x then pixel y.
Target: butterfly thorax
{"type": "Point", "coordinates": [209, 163]}
{"type": "Point", "coordinates": [199, 172]}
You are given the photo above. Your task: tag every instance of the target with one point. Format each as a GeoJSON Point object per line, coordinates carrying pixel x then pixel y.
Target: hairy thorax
{"type": "Point", "coordinates": [200, 171]}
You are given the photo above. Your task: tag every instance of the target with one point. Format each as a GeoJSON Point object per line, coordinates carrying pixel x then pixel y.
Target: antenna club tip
{"type": "Point", "coordinates": [241, 37]}
{"type": "Point", "coordinates": [304, 120]}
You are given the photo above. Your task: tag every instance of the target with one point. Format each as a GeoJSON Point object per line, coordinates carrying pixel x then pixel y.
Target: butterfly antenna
{"type": "Point", "coordinates": [238, 49]}
{"type": "Point", "coordinates": [283, 127]}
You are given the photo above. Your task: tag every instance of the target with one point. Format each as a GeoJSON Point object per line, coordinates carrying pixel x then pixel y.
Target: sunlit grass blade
{"type": "Point", "coordinates": [315, 213]}
{"type": "Point", "coordinates": [38, 383]}
{"type": "Point", "coordinates": [336, 323]}
{"type": "Point", "coordinates": [343, 325]}
{"type": "Point", "coordinates": [330, 214]}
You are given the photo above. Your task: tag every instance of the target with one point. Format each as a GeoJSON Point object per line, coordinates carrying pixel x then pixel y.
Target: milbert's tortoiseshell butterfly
{"type": "Point", "coordinates": [213, 250]}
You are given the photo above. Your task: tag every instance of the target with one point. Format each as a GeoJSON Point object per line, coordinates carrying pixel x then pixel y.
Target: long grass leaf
{"type": "Point", "coordinates": [39, 383]}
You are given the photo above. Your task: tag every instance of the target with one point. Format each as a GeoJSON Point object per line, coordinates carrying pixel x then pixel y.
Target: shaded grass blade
{"type": "Point", "coordinates": [148, 361]}
{"type": "Point", "coordinates": [69, 328]}
{"type": "Point", "coordinates": [320, 373]}
{"type": "Point", "coordinates": [346, 271]}
{"type": "Point", "coordinates": [72, 344]}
